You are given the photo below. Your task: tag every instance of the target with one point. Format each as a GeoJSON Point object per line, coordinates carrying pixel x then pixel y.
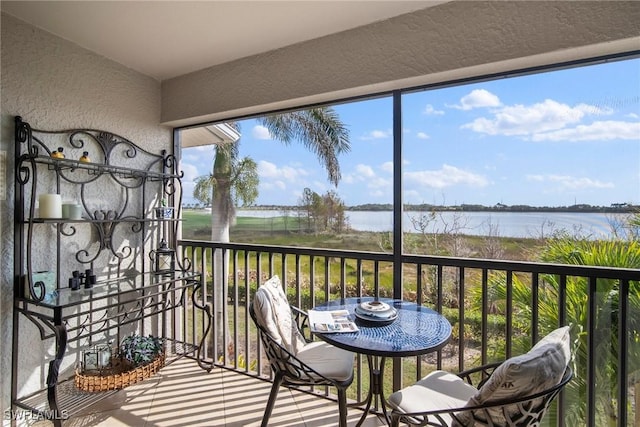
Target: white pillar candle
{"type": "Point", "coordinates": [50, 206]}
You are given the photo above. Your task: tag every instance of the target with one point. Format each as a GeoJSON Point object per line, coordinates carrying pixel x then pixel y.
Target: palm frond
{"type": "Point", "coordinates": [319, 129]}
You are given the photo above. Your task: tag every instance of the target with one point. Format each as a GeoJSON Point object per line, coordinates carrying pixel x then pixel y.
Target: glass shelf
{"type": "Point", "coordinates": [66, 297]}
{"type": "Point", "coordinates": [99, 168]}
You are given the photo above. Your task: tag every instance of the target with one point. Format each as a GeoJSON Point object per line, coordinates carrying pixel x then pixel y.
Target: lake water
{"type": "Point", "coordinates": [507, 224]}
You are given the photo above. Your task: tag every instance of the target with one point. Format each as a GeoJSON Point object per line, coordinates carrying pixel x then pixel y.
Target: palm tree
{"type": "Point", "coordinates": [235, 181]}
{"type": "Point", "coordinates": [568, 250]}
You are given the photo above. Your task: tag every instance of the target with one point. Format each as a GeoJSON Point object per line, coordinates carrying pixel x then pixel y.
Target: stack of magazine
{"type": "Point", "coordinates": [331, 321]}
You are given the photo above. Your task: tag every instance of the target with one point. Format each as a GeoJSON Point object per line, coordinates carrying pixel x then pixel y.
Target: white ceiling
{"type": "Point", "coordinates": [164, 39]}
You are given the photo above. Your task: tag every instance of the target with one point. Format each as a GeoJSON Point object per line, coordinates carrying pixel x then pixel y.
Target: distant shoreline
{"type": "Point", "coordinates": [623, 208]}
{"type": "Point", "coordinates": [591, 225]}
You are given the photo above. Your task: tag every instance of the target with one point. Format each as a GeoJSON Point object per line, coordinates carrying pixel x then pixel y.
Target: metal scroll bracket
{"type": "Point", "coordinates": [207, 366]}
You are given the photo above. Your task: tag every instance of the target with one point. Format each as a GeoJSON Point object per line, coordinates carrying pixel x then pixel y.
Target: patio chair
{"type": "Point", "coordinates": [295, 360]}
{"type": "Point", "coordinates": [516, 392]}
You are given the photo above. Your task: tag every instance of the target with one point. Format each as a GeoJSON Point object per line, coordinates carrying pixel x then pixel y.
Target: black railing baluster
{"type": "Point", "coordinates": [439, 302]}
{"type": "Point", "coordinates": [485, 317]}
{"type": "Point", "coordinates": [509, 315]}
{"type": "Point", "coordinates": [461, 335]}
{"type": "Point", "coordinates": [419, 290]}
{"type": "Point", "coordinates": [222, 305]}
{"type": "Point", "coordinates": [591, 352]}
{"type": "Point", "coordinates": [327, 281]}
{"type": "Point", "coordinates": [534, 308]}
{"type": "Point", "coordinates": [298, 292]}
{"type": "Point", "coordinates": [623, 337]}
{"type": "Point", "coordinates": [359, 278]}
{"type": "Point", "coordinates": [234, 278]}
{"type": "Point", "coordinates": [562, 320]}
{"type": "Point", "coordinates": [343, 278]}
{"type": "Point", "coordinates": [246, 317]}
{"type": "Point", "coordinates": [376, 279]}
{"type": "Point", "coordinates": [430, 275]}
{"type": "Point", "coordinates": [312, 280]}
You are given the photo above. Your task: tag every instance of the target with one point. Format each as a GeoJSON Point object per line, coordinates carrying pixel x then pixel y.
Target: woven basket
{"type": "Point", "coordinates": [119, 376]}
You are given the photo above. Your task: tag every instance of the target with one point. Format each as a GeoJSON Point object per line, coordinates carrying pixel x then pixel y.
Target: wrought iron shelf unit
{"type": "Point", "coordinates": [99, 169]}
{"type": "Point", "coordinates": [97, 221]}
{"type": "Point", "coordinates": [127, 292]}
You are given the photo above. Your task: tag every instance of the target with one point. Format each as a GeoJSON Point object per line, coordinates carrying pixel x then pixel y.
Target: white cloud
{"type": "Point", "coordinates": [527, 120]}
{"type": "Point", "coordinates": [594, 110]}
{"type": "Point", "coordinates": [273, 185]}
{"type": "Point", "coordinates": [377, 134]}
{"type": "Point", "coordinates": [422, 135]}
{"type": "Point", "coordinates": [478, 98]}
{"type": "Point", "coordinates": [412, 196]}
{"type": "Point", "coordinates": [567, 182]}
{"type": "Point", "coordinates": [378, 183]}
{"type": "Point", "coordinates": [190, 172]}
{"type": "Point", "coordinates": [187, 190]}
{"type": "Point", "coordinates": [270, 170]}
{"type": "Point", "coordinates": [447, 176]}
{"type": "Point", "coordinates": [387, 167]}
{"type": "Point", "coordinates": [203, 148]}
{"type": "Point", "coordinates": [551, 121]}
{"type": "Point", "coordinates": [260, 132]}
{"type": "Point", "coordinates": [604, 130]}
{"type": "Point", "coordinates": [538, 178]}
{"type": "Point", "coordinates": [364, 171]}
{"type": "Point", "coordinates": [360, 173]}
{"type": "Point", "coordinates": [365, 174]}
{"type": "Point", "coordinates": [430, 111]}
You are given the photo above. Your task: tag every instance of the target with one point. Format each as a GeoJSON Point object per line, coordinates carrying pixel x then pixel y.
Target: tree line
{"type": "Point", "coordinates": [425, 207]}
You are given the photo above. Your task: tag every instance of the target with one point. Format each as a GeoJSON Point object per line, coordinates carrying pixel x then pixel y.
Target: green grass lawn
{"type": "Point", "coordinates": [278, 232]}
{"type": "Point", "coordinates": [284, 231]}
{"type": "Point", "coordinates": [200, 221]}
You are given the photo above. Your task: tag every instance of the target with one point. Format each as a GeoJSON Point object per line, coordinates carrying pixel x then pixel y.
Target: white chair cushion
{"type": "Point", "coordinates": [539, 369]}
{"type": "Point", "coordinates": [438, 390]}
{"type": "Point", "coordinates": [327, 360]}
{"type": "Point", "coordinates": [274, 314]}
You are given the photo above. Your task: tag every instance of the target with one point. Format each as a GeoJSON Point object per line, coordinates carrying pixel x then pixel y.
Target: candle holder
{"type": "Point", "coordinates": [163, 258]}
{"type": "Point", "coordinates": [97, 358]}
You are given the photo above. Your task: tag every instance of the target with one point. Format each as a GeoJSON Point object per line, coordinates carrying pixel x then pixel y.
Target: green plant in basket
{"type": "Point", "coordinates": [140, 350]}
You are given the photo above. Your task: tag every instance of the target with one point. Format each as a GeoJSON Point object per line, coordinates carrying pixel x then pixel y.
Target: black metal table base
{"type": "Point", "coordinates": [375, 394]}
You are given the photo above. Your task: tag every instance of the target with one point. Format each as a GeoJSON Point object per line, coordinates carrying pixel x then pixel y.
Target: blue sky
{"type": "Point", "coordinates": [549, 139]}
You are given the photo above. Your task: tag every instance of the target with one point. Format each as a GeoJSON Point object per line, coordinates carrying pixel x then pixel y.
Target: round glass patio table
{"type": "Point", "coordinates": [417, 330]}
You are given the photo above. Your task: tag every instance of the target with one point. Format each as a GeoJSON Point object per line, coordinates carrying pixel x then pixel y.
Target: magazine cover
{"type": "Point", "coordinates": [331, 321]}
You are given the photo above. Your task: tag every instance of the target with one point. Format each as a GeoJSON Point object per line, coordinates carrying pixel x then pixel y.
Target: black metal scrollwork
{"type": "Point", "coordinates": [115, 182]}
{"type": "Point", "coordinates": [37, 290]}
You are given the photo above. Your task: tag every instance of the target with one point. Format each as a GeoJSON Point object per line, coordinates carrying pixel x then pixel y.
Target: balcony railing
{"type": "Point", "coordinates": [497, 309]}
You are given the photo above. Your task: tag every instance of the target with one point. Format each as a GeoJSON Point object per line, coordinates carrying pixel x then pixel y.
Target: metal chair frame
{"type": "Point", "coordinates": [289, 370]}
{"type": "Point", "coordinates": [532, 407]}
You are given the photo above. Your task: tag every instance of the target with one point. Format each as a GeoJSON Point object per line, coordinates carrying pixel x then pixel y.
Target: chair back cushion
{"type": "Point", "coordinates": [541, 368]}
{"type": "Point", "coordinates": [273, 313]}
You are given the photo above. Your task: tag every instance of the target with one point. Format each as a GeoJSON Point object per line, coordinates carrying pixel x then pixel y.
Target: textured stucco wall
{"type": "Point", "coordinates": [54, 84]}
{"type": "Point", "coordinates": [448, 41]}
